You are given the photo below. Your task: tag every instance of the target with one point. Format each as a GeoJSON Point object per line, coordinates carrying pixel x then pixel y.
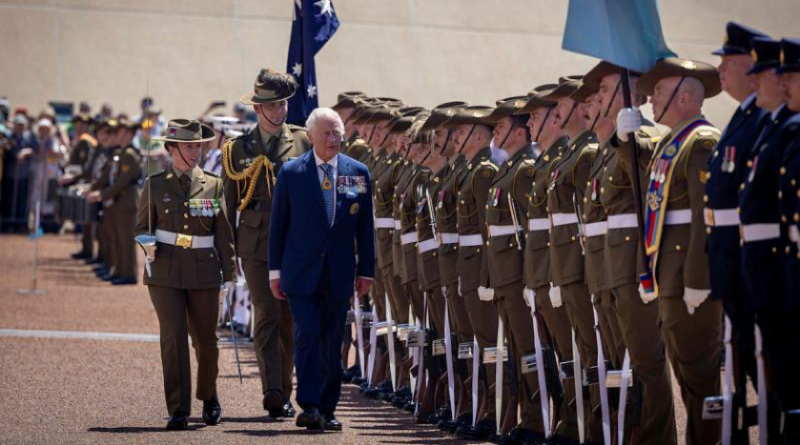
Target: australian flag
{"type": "Point", "coordinates": [313, 24]}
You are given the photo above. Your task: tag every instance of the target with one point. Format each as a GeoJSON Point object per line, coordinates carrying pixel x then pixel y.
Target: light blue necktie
{"type": "Point", "coordinates": [327, 189]}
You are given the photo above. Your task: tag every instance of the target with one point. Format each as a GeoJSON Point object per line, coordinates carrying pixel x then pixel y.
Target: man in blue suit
{"type": "Point", "coordinates": [321, 251]}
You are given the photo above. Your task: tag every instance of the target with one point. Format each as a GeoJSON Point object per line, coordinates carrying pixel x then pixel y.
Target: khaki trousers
{"type": "Point", "coordinates": [181, 312]}
{"type": "Point", "coordinates": [639, 325]}
{"type": "Point", "coordinates": [483, 319]}
{"type": "Point", "coordinates": [693, 347]}
{"type": "Point", "coordinates": [273, 337]}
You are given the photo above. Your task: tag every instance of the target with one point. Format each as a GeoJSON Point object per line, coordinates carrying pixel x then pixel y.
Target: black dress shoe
{"type": "Point", "coordinates": [481, 431]}
{"type": "Point", "coordinates": [350, 373]}
{"type": "Point", "coordinates": [178, 422]}
{"type": "Point", "coordinates": [81, 255]}
{"type": "Point", "coordinates": [123, 281]}
{"type": "Point", "coordinates": [358, 381]}
{"type": "Point", "coordinates": [212, 411]}
{"type": "Point", "coordinates": [410, 407]}
{"type": "Point", "coordinates": [310, 419]}
{"type": "Point", "coordinates": [525, 436]}
{"type": "Point", "coordinates": [273, 403]}
{"type": "Point", "coordinates": [288, 410]}
{"type": "Point", "coordinates": [331, 423]}
{"type": "Point", "coordinates": [108, 277]}
{"type": "Point", "coordinates": [93, 260]}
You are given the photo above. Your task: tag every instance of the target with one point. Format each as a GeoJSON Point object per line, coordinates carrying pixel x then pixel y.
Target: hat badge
{"type": "Point", "coordinates": [782, 57]}
{"type": "Point", "coordinates": [519, 104]}
{"type": "Point", "coordinates": [450, 112]}
{"type": "Point", "coordinates": [477, 114]}
{"type": "Point", "coordinates": [754, 55]}
{"type": "Point", "coordinates": [688, 64]}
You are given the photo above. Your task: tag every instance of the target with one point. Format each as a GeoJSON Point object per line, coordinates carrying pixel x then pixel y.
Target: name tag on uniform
{"type": "Point", "coordinates": [351, 185]}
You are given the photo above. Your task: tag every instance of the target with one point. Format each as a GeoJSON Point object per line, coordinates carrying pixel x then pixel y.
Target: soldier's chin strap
{"type": "Point", "coordinates": [178, 149]}
{"type": "Point", "coordinates": [671, 98]}
{"type": "Point", "coordinates": [613, 97]}
{"type": "Point", "coordinates": [569, 116]}
{"type": "Point", "coordinates": [541, 127]}
{"type": "Point", "coordinates": [371, 133]}
{"type": "Point", "coordinates": [274, 124]}
{"type": "Point", "coordinates": [446, 141]}
{"type": "Point", "coordinates": [469, 135]}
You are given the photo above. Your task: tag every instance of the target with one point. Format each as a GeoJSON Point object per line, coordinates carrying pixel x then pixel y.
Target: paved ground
{"type": "Point", "coordinates": [64, 388]}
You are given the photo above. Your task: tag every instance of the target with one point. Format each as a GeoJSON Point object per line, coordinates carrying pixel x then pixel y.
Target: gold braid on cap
{"type": "Point", "coordinates": [250, 174]}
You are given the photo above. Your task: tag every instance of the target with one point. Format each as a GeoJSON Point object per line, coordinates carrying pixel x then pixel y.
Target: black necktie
{"type": "Point", "coordinates": [186, 183]}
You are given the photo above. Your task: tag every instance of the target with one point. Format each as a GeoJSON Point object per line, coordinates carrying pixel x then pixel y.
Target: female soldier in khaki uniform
{"type": "Point", "coordinates": [184, 209]}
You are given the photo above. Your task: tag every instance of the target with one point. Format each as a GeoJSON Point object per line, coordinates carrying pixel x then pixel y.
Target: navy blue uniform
{"type": "Point", "coordinates": [761, 259]}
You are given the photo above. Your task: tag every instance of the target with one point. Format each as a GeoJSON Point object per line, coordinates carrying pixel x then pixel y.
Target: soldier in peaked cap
{"type": "Point", "coordinates": [184, 207]}
{"type": "Point", "coordinates": [759, 214]}
{"type": "Point", "coordinates": [611, 187]}
{"type": "Point", "coordinates": [250, 165]}
{"type": "Point", "coordinates": [789, 177]}
{"type": "Point", "coordinates": [726, 172]}
{"type": "Point", "coordinates": [675, 230]}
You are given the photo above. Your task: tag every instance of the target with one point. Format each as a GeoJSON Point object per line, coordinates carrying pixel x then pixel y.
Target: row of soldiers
{"type": "Point", "coordinates": [519, 225]}
{"type": "Point", "coordinates": [104, 169]}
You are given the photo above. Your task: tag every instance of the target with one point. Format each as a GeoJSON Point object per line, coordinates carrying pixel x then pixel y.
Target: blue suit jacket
{"type": "Point", "coordinates": [301, 241]}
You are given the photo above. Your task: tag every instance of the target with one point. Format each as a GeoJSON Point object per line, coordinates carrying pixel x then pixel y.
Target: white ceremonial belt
{"type": "Point", "coordinates": [428, 244]}
{"type": "Point", "coordinates": [596, 228]}
{"type": "Point", "coordinates": [760, 232]}
{"type": "Point", "coordinates": [185, 241]}
{"type": "Point", "coordinates": [448, 238]}
{"type": "Point", "coordinates": [470, 240]}
{"type": "Point", "coordinates": [623, 221]}
{"type": "Point", "coordinates": [408, 238]}
{"type": "Point", "coordinates": [794, 233]}
{"type": "Point", "coordinates": [562, 219]}
{"type": "Point", "coordinates": [535, 224]}
{"type": "Point", "coordinates": [501, 231]}
{"type": "Point", "coordinates": [397, 224]}
{"type": "Point", "coordinates": [676, 217]}
{"type": "Point", "coordinates": [721, 217]}
{"type": "Point", "coordinates": [384, 223]}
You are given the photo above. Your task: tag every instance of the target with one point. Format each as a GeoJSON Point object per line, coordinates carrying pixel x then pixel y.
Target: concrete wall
{"type": "Point", "coordinates": [425, 52]}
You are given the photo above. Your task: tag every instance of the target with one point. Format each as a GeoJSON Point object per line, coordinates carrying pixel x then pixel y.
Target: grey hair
{"type": "Point", "coordinates": [325, 114]}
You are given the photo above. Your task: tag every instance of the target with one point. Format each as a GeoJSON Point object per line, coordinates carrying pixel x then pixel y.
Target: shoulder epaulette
{"type": "Point", "coordinates": [295, 128]}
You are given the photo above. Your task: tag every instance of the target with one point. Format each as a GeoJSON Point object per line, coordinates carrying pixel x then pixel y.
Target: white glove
{"type": "Point", "coordinates": [485, 293]}
{"type": "Point", "coordinates": [555, 296]}
{"type": "Point", "coordinates": [629, 120]}
{"type": "Point", "coordinates": [227, 291]}
{"type": "Point", "coordinates": [694, 298]}
{"type": "Point", "coordinates": [646, 297]}
{"type": "Point", "coordinates": [529, 295]}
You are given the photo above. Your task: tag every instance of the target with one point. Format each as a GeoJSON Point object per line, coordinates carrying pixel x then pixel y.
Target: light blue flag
{"type": "Point", "coordinates": [626, 33]}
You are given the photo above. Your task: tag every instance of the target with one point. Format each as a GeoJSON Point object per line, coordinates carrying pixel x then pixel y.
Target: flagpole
{"type": "Point", "coordinates": [635, 174]}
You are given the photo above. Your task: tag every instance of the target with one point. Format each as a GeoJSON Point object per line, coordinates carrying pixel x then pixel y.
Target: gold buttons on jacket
{"type": "Point", "coordinates": [186, 216]}
{"type": "Point", "coordinates": [185, 227]}
{"type": "Point", "coordinates": [166, 210]}
{"type": "Point", "coordinates": [705, 198]}
{"type": "Point", "coordinates": [678, 247]}
{"type": "Point", "coordinates": [627, 238]}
